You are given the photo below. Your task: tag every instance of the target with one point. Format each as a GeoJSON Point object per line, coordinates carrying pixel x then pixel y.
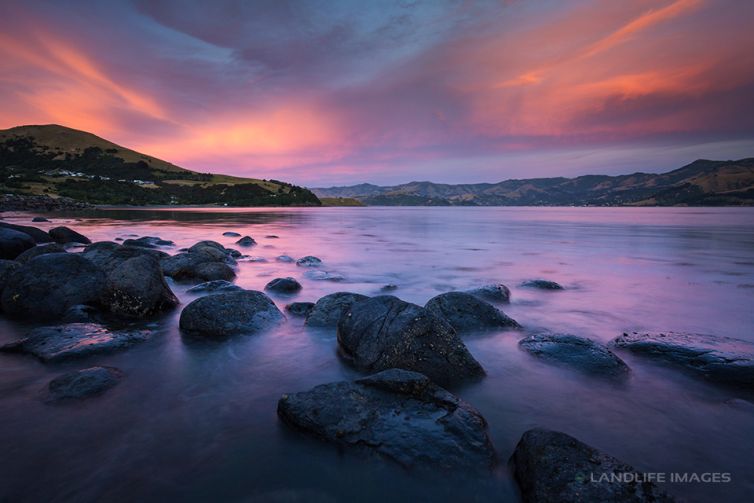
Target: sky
{"type": "Point", "coordinates": [338, 92]}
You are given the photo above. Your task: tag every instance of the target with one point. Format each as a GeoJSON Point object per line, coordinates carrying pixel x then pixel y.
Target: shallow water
{"type": "Point", "coordinates": [196, 421]}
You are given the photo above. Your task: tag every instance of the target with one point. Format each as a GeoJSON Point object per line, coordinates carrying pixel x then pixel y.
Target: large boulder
{"type": "Point", "coordinates": [64, 235]}
{"type": "Point", "coordinates": [385, 332]}
{"type": "Point", "coordinates": [7, 268]}
{"type": "Point", "coordinates": [38, 235]}
{"type": "Point", "coordinates": [39, 250]}
{"type": "Point", "coordinates": [541, 284]}
{"type": "Point", "coordinates": [222, 314]}
{"type": "Point", "coordinates": [398, 414]}
{"type": "Point", "coordinates": [14, 243]}
{"type": "Point", "coordinates": [283, 285]}
{"type": "Point", "coordinates": [74, 340]}
{"type": "Point", "coordinates": [328, 310]}
{"type": "Point", "coordinates": [137, 288]}
{"type": "Point", "coordinates": [204, 261]}
{"type": "Point", "coordinates": [46, 286]}
{"type": "Point", "coordinates": [300, 309]}
{"type": "Point", "coordinates": [108, 255]}
{"type": "Point", "coordinates": [81, 384]}
{"type": "Point", "coordinates": [466, 312]}
{"type": "Point", "coordinates": [148, 242]}
{"type": "Point", "coordinates": [721, 360]}
{"type": "Point", "coordinates": [217, 286]}
{"type": "Point", "coordinates": [246, 241]}
{"type": "Point", "coordinates": [579, 353]}
{"type": "Point", "coordinates": [552, 467]}
{"type": "Point", "coordinates": [309, 261]}
{"type": "Point", "coordinates": [495, 292]}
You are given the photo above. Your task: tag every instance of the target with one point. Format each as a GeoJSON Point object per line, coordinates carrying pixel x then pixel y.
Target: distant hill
{"type": "Point", "coordinates": [701, 183]}
{"type": "Point", "coordinates": [60, 161]}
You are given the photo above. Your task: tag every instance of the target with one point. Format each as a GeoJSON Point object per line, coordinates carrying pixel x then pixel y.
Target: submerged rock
{"type": "Point", "coordinates": [584, 355]}
{"type": "Point", "coordinates": [231, 234]}
{"type": "Point", "coordinates": [550, 466]}
{"type": "Point", "coordinates": [74, 340]}
{"type": "Point", "coordinates": [542, 284]}
{"type": "Point", "coordinates": [39, 219]}
{"type": "Point", "coordinates": [39, 250]}
{"type": "Point", "coordinates": [217, 286]}
{"type": "Point", "coordinates": [299, 308]}
{"type": "Point", "coordinates": [285, 258]}
{"type": "Point", "coordinates": [324, 276]}
{"type": "Point", "coordinates": [137, 288]}
{"type": "Point", "coordinates": [283, 285]}
{"type": "Point", "coordinates": [722, 360]}
{"type": "Point", "coordinates": [46, 286]}
{"type": "Point", "coordinates": [389, 288]}
{"type": "Point", "coordinates": [328, 310]}
{"type": "Point", "coordinates": [38, 235]}
{"type": "Point", "coordinates": [309, 261]}
{"type": "Point", "coordinates": [246, 241]}
{"type": "Point", "coordinates": [465, 312]}
{"type": "Point", "coordinates": [398, 414]}
{"type": "Point", "coordinates": [230, 313]}
{"type": "Point", "coordinates": [64, 235]}
{"type": "Point", "coordinates": [148, 242]}
{"type": "Point", "coordinates": [14, 243]}
{"type": "Point", "coordinates": [492, 293]}
{"type": "Point", "coordinates": [385, 332]}
{"type": "Point", "coordinates": [84, 383]}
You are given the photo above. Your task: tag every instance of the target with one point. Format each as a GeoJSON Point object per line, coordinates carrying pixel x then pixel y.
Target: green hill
{"type": "Point", "coordinates": [60, 161]}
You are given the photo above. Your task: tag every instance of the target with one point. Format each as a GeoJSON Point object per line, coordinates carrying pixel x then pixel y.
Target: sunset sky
{"type": "Point", "coordinates": [341, 92]}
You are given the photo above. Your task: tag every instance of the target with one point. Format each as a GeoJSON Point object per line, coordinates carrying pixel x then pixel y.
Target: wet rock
{"type": "Point", "coordinates": [252, 259]}
{"type": "Point", "coordinates": [385, 332]}
{"type": "Point", "coordinates": [231, 234]}
{"type": "Point", "coordinates": [328, 310]}
{"type": "Point", "coordinates": [108, 255]}
{"type": "Point", "coordinates": [80, 313]}
{"type": "Point", "coordinates": [85, 383]}
{"type": "Point", "coordinates": [246, 241]}
{"type": "Point", "coordinates": [46, 286]}
{"type": "Point", "coordinates": [722, 360]}
{"type": "Point", "coordinates": [211, 251]}
{"type": "Point", "coordinates": [64, 235]}
{"type": "Point", "coordinates": [465, 312]}
{"type": "Point", "coordinates": [74, 340]}
{"type": "Point", "coordinates": [7, 267]}
{"type": "Point", "coordinates": [217, 286]}
{"type": "Point", "coordinates": [283, 285]}
{"type": "Point", "coordinates": [271, 236]}
{"type": "Point", "coordinates": [300, 309]}
{"type": "Point", "coordinates": [230, 313]}
{"type": "Point", "coordinates": [38, 235]}
{"type": "Point", "coordinates": [39, 219]}
{"type": "Point", "coordinates": [309, 261]}
{"type": "Point", "coordinates": [148, 242]}
{"type": "Point", "coordinates": [323, 276]}
{"type": "Point", "coordinates": [199, 264]}
{"type": "Point", "coordinates": [285, 258]}
{"type": "Point", "coordinates": [14, 243]}
{"type": "Point", "coordinates": [211, 271]}
{"type": "Point", "coordinates": [39, 250]}
{"type": "Point", "coordinates": [582, 354]}
{"type": "Point", "coordinates": [235, 254]}
{"type": "Point", "coordinates": [136, 288]}
{"type": "Point", "coordinates": [397, 414]}
{"type": "Point", "coordinates": [542, 284]}
{"type": "Point", "coordinates": [492, 293]}
{"type": "Point", "coordinates": [550, 466]}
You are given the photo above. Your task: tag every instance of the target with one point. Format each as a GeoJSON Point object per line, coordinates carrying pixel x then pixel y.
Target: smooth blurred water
{"type": "Point", "coordinates": [196, 421]}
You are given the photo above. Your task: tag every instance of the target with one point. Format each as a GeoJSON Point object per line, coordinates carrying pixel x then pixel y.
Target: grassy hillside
{"type": "Point", "coordinates": [60, 161]}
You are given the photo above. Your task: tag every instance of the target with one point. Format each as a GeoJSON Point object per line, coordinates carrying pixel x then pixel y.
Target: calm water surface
{"type": "Point", "coordinates": [196, 421]}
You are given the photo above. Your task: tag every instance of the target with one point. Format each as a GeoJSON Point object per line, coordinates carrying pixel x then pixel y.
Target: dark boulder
{"type": "Point", "coordinates": [14, 243]}
{"type": "Point", "coordinates": [231, 234]}
{"type": "Point", "coordinates": [64, 235]}
{"type": "Point", "coordinates": [328, 310]}
{"type": "Point", "coordinates": [492, 293]}
{"type": "Point", "coordinates": [39, 219]}
{"type": "Point", "coordinates": [108, 255]}
{"type": "Point", "coordinates": [721, 360]}
{"type": "Point", "coordinates": [38, 235]}
{"type": "Point", "coordinates": [246, 241]}
{"type": "Point", "coordinates": [81, 313]}
{"type": "Point", "coordinates": [7, 268]}
{"type": "Point", "coordinates": [136, 288]}
{"type": "Point", "coordinates": [217, 286]}
{"type": "Point", "coordinates": [199, 264]}
{"type": "Point", "coordinates": [399, 415]}
{"type": "Point", "coordinates": [541, 284]}
{"type": "Point", "coordinates": [74, 340]}
{"type": "Point", "coordinates": [550, 466]}
{"type": "Point", "coordinates": [385, 332]}
{"type": "Point", "coordinates": [584, 355]}
{"type": "Point", "coordinates": [212, 271]}
{"type": "Point", "coordinates": [283, 285]}
{"type": "Point", "coordinates": [148, 242]}
{"type": "Point", "coordinates": [272, 236]}
{"type": "Point", "coordinates": [39, 250]}
{"type": "Point", "coordinates": [81, 384]}
{"type": "Point", "coordinates": [465, 312]}
{"type": "Point", "coordinates": [222, 314]}
{"type": "Point", "coordinates": [46, 286]}
{"type": "Point", "coordinates": [300, 309]}
{"type": "Point", "coordinates": [309, 261]}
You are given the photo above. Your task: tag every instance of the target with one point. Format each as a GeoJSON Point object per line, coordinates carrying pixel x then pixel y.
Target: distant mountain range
{"type": "Point", "coordinates": [701, 183]}
{"type": "Point", "coordinates": [59, 161]}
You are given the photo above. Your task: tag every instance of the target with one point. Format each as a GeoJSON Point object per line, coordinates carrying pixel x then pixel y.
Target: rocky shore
{"type": "Point", "coordinates": [18, 202]}
{"type": "Point", "coordinates": [84, 299]}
